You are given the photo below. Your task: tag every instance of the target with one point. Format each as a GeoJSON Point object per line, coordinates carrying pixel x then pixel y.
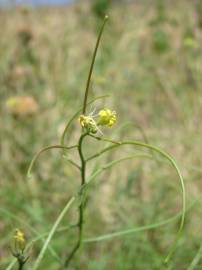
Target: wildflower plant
{"type": "Point", "coordinates": [92, 127]}
{"type": "Point", "coordinates": [18, 248]}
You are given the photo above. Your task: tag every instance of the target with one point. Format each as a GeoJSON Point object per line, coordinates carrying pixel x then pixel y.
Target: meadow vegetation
{"type": "Point", "coordinates": [150, 63]}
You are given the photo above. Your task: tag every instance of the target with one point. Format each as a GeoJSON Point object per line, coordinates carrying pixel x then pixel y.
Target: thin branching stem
{"type": "Point", "coordinates": [81, 203]}
{"type": "Point", "coordinates": [74, 164]}
{"type": "Point", "coordinates": [82, 159]}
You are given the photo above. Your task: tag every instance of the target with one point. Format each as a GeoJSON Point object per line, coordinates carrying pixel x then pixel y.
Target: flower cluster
{"type": "Point", "coordinates": [19, 238]}
{"type": "Point", "coordinates": [106, 117]}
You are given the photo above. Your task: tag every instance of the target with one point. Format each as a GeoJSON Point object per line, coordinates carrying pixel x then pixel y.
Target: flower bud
{"type": "Point", "coordinates": [88, 123]}
{"type": "Point", "coordinates": [19, 240]}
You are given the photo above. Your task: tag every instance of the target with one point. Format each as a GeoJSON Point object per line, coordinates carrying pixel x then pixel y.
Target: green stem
{"type": "Point", "coordinates": [92, 65]}
{"type": "Point", "coordinates": [21, 262]}
{"type": "Point", "coordinates": [81, 206]}
{"type": "Point", "coordinates": [20, 266]}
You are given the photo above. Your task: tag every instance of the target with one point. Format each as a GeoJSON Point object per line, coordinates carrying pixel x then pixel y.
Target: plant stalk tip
{"type": "Point", "coordinates": [92, 65]}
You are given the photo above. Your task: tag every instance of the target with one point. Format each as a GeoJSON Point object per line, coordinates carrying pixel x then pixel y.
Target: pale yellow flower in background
{"type": "Point", "coordinates": [107, 118]}
{"type": "Point", "coordinates": [190, 42]}
{"type": "Point", "coordinates": [99, 80]}
{"type": "Point", "coordinates": [22, 105]}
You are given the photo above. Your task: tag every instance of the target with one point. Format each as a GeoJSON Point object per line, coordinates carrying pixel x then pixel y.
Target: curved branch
{"type": "Point", "coordinates": [72, 162]}
{"type": "Point", "coordinates": [111, 164]}
{"type": "Point", "coordinates": [141, 131]}
{"type": "Point", "coordinates": [173, 163]}
{"type": "Point", "coordinates": [44, 150]}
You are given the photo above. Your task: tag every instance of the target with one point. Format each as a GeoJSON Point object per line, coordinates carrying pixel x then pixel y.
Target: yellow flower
{"type": "Point", "coordinates": [88, 123]}
{"type": "Point", "coordinates": [107, 118]}
{"type": "Point", "coordinates": [19, 239]}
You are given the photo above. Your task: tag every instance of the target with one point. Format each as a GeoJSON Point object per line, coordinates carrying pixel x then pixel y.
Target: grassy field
{"type": "Point", "coordinates": [150, 63]}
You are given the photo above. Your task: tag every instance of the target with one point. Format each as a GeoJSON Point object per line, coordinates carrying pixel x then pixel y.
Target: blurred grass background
{"type": "Point", "coordinates": [150, 62]}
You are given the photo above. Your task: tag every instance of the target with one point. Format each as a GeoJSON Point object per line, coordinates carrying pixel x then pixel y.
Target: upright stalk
{"type": "Point", "coordinates": [20, 266]}
{"type": "Point", "coordinates": [82, 159]}
{"type": "Point", "coordinates": [81, 206]}
{"type": "Point", "coordinates": [92, 65]}
{"type": "Point", "coordinates": [21, 261]}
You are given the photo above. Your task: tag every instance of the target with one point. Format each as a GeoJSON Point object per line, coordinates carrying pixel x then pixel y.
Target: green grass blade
{"type": "Point", "coordinates": [51, 233]}
{"type": "Point", "coordinates": [196, 260]}
{"type": "Point", "coordinates": [137, 229]}
{"type": "Point", "coordinates": [11, 265]}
